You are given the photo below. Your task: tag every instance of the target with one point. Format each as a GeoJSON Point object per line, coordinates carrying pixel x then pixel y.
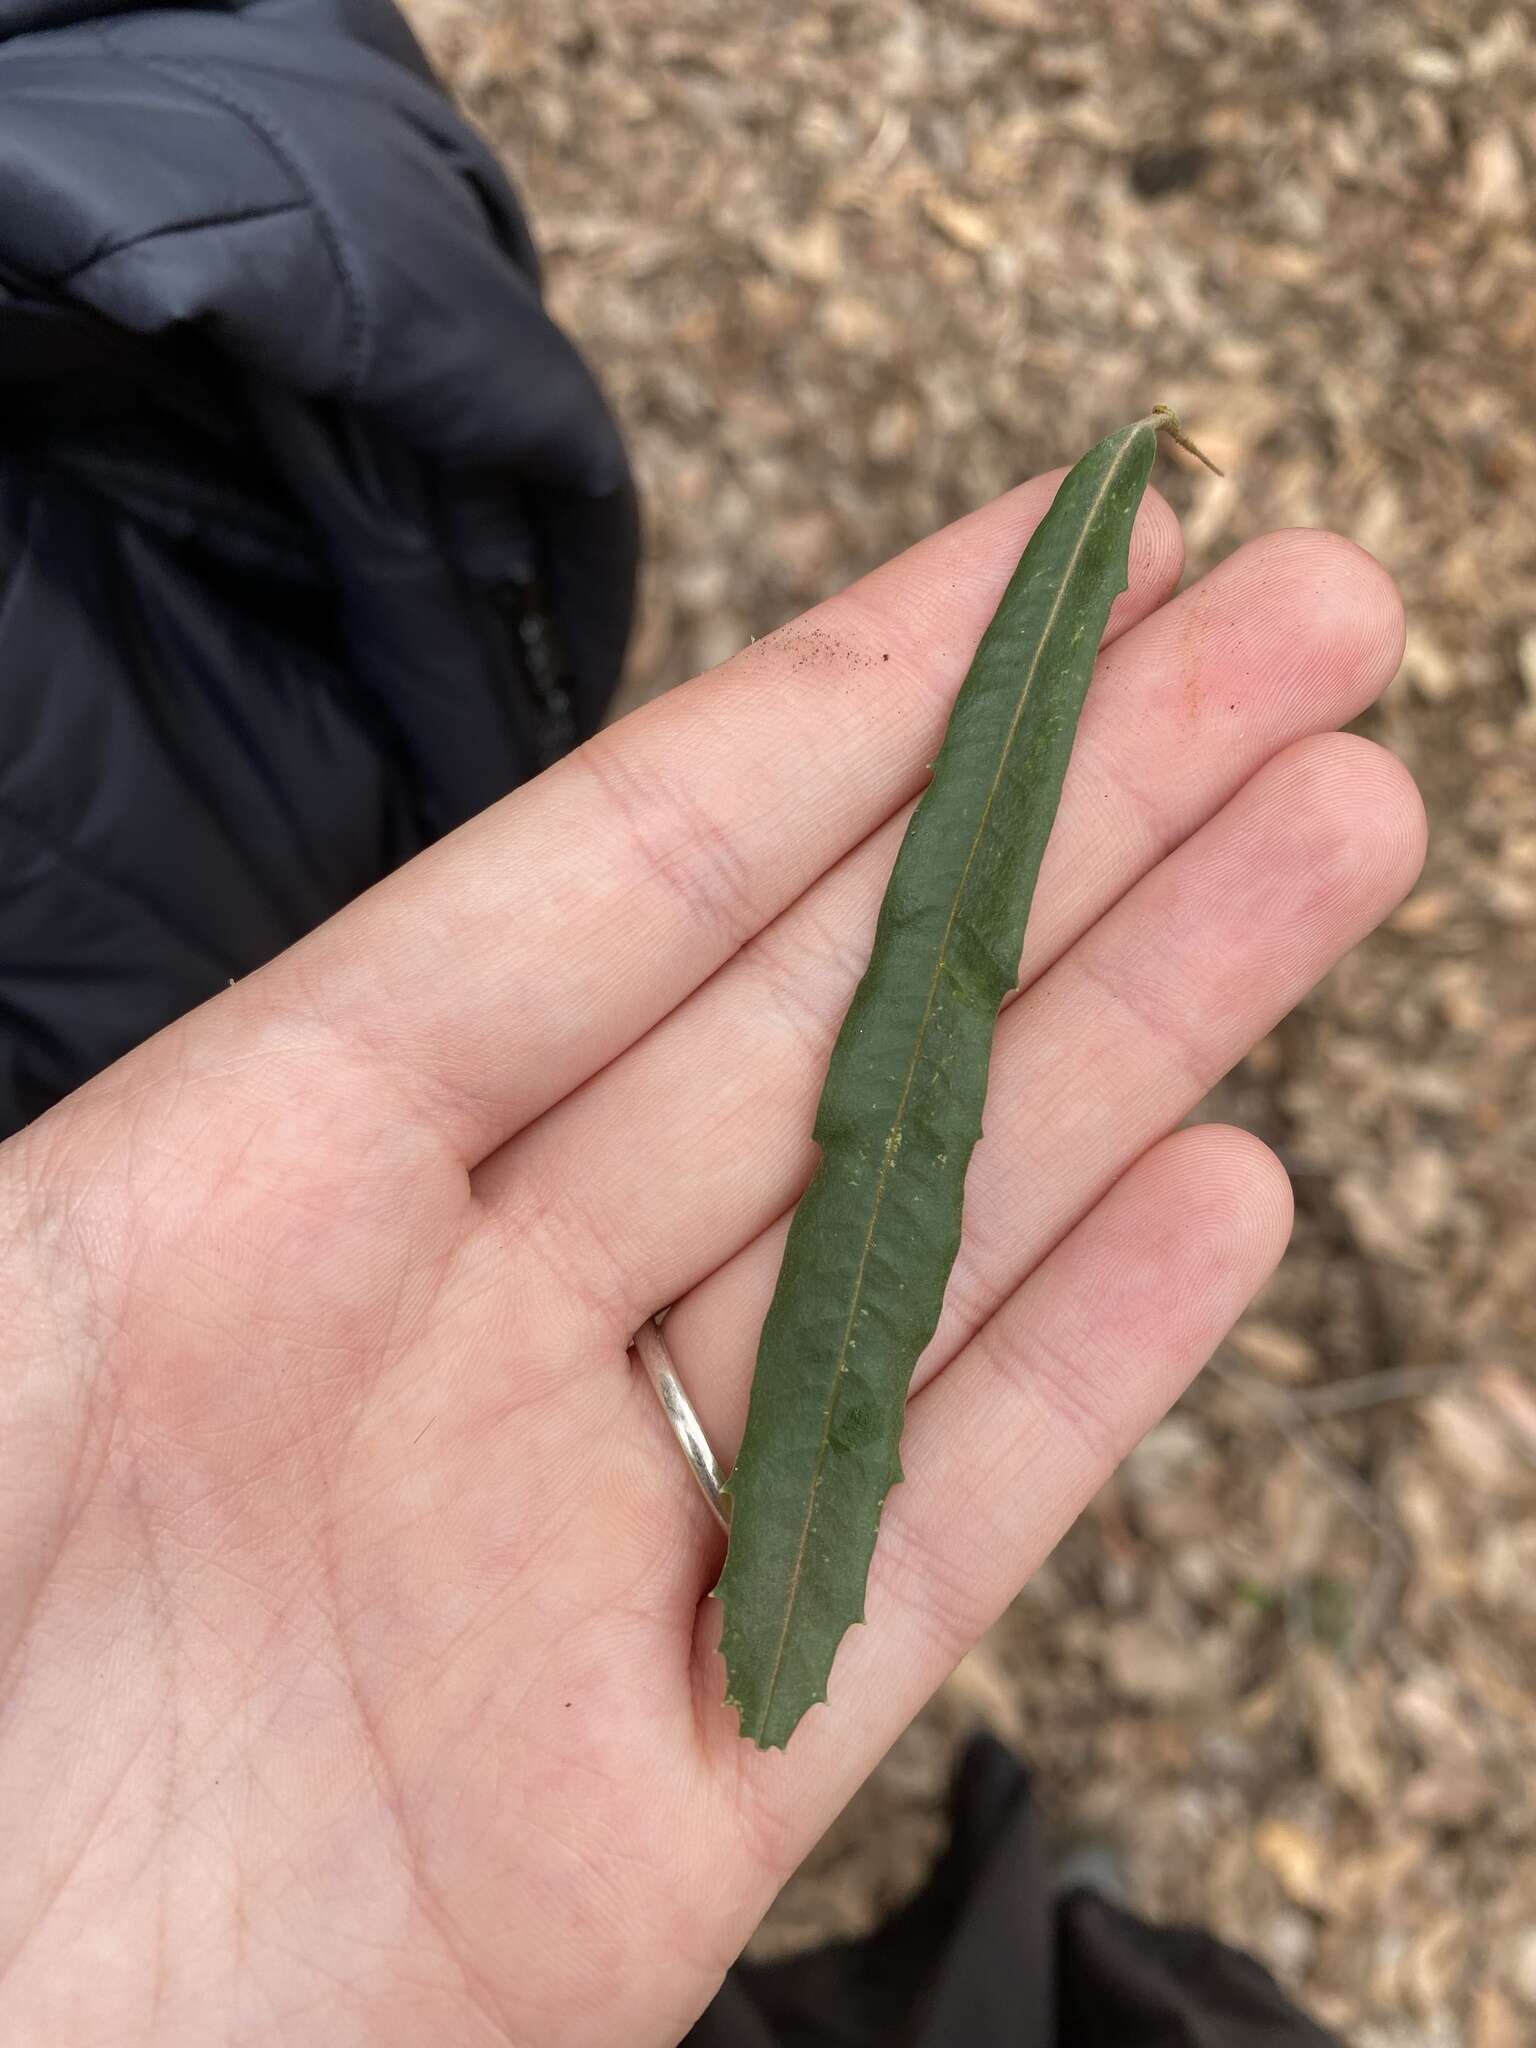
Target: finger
{"type": "Point", "coordinates": [1127, 1033]}
{"type": "Point", "coordinates": [681, 1150]}
{"type": "Point", "coordinates": [500, 968]}
{"type": "Point", "coordinates": [1009, 1445]}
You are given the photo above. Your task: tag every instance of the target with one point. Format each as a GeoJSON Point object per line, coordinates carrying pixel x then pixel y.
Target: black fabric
{"type": "Point", "coordinates": [315, 534]}
{"type": "Point", "coordinates": [988, 1956]}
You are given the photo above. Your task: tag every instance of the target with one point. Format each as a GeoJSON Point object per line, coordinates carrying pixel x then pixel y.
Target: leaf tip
{"type": "Point", "coordinates": [764, 1741]}
{"type": "Point", "coordinates": [1166, 421]}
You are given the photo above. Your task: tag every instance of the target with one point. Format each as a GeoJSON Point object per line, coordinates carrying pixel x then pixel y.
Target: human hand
{"type": "Point", "coordinates": [360, 1681]}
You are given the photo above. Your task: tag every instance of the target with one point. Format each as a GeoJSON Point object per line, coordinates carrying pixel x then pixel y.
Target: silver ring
{"type": "Point", "coordinates": [651, 1348]}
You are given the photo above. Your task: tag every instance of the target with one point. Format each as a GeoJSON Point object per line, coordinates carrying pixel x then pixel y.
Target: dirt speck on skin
{"type": "Point", "coordinates": [804, 645]}
{"type": "Point", "coordinates": [847, 271]}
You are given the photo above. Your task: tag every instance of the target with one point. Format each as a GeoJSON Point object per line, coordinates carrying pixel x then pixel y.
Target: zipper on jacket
{"type": "Point", "coordinates": [523, 603]}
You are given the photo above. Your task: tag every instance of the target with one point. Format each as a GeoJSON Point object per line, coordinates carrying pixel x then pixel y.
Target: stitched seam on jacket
{"type": "Point", "coordinates": [267, 130]}
{"type": "Point", "coordinates": [215, 513]}
{"type": "Point", "coordinates": [180, 227]}
{"type": "Point", "coordinates": [111, 886]}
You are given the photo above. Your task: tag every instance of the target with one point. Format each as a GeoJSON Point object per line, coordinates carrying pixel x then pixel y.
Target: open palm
{"type": "Point", "coordinates": [360, 1680]}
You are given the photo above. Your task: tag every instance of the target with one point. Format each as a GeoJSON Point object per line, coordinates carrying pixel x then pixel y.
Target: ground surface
{"type": "Point", "coordinates": [848, 269]}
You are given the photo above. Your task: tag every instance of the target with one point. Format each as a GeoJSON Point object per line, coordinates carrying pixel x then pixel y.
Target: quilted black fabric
{"type": "Point", "coordinates": [315, 534]}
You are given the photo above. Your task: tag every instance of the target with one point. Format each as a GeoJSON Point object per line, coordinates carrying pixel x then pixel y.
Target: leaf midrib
{"type": "Point", "coordinates": [893, 1136]}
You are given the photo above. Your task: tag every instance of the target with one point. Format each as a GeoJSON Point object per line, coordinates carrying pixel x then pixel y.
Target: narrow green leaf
{"type": "Point", "coordinates": [876, 1233]}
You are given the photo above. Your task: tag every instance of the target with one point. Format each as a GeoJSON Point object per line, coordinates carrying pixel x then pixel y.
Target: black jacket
{"type": "Point", "coordinates": [315, 535]}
